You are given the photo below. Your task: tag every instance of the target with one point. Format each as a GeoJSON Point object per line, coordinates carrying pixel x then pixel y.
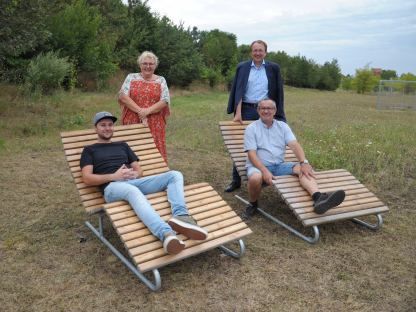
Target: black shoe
{"type": "Point", "coordinates": [232, 186]}
{"type": "Point", "coordinates": [328, 200]}
{"type": "Point", "coordinates": [250, 211]}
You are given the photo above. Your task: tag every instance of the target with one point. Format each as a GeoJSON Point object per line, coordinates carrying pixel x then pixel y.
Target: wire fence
{"type": "Point", "coordinates": [396, 94]}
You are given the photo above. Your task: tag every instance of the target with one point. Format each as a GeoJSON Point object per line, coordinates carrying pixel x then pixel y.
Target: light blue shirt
{"type": "Point", "coordinates": [257, 84]}
{"type": "Point", "coordinates": [269, 143]}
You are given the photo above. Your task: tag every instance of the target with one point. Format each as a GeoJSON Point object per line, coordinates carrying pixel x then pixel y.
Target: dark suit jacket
{"type": "Point", "coordinates": [275, 83]}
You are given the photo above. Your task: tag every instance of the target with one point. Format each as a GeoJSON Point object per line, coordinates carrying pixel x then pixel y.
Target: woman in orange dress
{"type": "Point", "coordinates": [144, 98]}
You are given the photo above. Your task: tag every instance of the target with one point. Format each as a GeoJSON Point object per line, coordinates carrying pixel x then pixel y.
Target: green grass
{"type": "Point", "coordinates": [44, 267]}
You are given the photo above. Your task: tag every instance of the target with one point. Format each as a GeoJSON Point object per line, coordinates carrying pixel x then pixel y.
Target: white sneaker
{"type": "Point", "coordinates": [172, 244]}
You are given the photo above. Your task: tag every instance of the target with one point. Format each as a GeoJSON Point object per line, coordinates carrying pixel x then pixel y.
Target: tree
{"type": "Point", "coordinates": [409, 87]}
{"type": "Point", "coordinates": [283, 59]}
{"type": "Point", "coordinates": [243, 53]}
{"type": "Point", "coordinates": [22, 32]}
{"type": "Point", "coordinates": [197, 37]}
{"type": "Point", "coordinates": [76, 34]}
{"type": "Point", "coordinates": [180, 61]}
{"type": "Point", "coordinates": [219, 50]}
{"type": "Point", "coordinates": [364, 80]}
{"type": "Point", "coordinates": [329, 76]}
{"type": "Point", "coordinates": [408, 77]}
{"type": "Point", "coordinates": [302, 73]}
{"type": "Point", "coordinates": [346, 82]}
{"type": "Point", "coordinates": [138, 34]}
{"type": "Point", "coordinates": [388, 74]}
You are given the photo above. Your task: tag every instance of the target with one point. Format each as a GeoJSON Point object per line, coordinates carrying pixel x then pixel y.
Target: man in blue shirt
{"type": "Point", "coordinates": [254, 80]}
{"type": "Point", "coordinates": [265, 142]}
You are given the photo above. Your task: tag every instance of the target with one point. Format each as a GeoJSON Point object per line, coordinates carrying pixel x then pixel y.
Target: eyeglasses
{"type": "Point", "coordinates": [147, 64]}
{"type": "Point", "coordinates": [266, 108]}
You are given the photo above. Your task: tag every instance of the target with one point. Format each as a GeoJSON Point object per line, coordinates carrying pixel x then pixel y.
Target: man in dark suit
{"type": "Point", "coordinates": [255, 80]}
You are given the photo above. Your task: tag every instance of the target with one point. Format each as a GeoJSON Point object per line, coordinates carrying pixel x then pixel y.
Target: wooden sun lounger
{"type": "Point", "coordinates": [359, 200]}
{"type": "Point", "coordinates": [145, 250]}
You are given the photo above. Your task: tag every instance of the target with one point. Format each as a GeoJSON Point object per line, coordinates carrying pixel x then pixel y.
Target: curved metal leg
{"type": "Point", "coordinates": [152, 285]}
{"type": "Point", "coordinates": [311, 240]}
{"type": "Point", "coordinates": [232, 253]}
{"type": "Point", "coordinates": [371, 226]}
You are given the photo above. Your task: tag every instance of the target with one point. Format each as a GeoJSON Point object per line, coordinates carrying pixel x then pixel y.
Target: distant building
{"type": "Point", "coordinates": [377, 71]}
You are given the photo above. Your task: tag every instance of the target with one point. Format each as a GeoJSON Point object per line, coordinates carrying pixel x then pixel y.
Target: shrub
{"type": "Point", "coordinates": [212, 75]}
{"type": "Point", "coordinates": [364, 80]}
{"type": "Point", "coordinates": [46, 73]}
{"type": "Point", "coordinates": [346, 82]}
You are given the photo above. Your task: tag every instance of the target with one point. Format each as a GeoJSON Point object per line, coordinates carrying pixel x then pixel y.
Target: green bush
{"type": "Point", "coordinates": [46, 73]}
{"type": "Point", "coordinates": [364, 80]}
{"type": "Point", "coordinates": [346, 83]}
{"type": "Point", "coordinates": [212, 75]}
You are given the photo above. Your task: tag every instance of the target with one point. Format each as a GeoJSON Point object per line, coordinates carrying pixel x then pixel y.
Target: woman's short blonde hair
{"type": "Point", "coordinates": [147, 54]}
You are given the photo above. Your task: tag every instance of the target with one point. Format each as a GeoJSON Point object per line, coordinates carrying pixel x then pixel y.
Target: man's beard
{"type": "Point", "coordinates": [105, 137]}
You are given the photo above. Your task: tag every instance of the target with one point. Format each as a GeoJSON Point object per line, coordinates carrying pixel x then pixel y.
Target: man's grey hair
{"type": "Point", "coordinates": [267, 100]}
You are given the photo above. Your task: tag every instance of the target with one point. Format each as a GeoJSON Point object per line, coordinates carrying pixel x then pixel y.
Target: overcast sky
{"type": "Point", "coordinates": [355, 32]}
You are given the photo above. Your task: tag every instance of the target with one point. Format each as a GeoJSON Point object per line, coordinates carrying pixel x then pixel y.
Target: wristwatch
{"type": "Point", "coordinates": [305, 161]}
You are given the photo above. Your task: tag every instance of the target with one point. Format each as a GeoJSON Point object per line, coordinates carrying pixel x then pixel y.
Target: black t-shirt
{"type": "Point", "coordinates": [107, 158]}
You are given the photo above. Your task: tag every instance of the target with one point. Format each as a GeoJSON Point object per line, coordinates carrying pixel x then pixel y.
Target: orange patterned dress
{"type": "Point", "coordinates": [145, 94]}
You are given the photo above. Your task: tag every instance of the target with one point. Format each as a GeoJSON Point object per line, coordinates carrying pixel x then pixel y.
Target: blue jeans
{"type": "Point", "coordinates": [285, 168]}
{"type": "Point", "coordinates": [134, 192]}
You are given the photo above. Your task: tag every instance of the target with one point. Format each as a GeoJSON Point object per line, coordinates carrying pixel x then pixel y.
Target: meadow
{"type": "Point", "coordinates": [49, 261]}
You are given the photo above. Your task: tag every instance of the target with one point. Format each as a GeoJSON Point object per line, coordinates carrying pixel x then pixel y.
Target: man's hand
{"type": "Point", "coordinates": [268, 177]}
{"type": "Point", "coordinates": [124, 173]}
{"type": "Point", "coordinates": [238, 118]}
{"type": "Point", "coordinates": [307, 171]}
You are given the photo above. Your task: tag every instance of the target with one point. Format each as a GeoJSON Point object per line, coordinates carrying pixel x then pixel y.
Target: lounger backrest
{"type": "Point", "coordinates": [137, 136]}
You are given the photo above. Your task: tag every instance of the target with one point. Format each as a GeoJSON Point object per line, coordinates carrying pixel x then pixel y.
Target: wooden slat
{"type": "Point", "coordinates": [92, 130]}
{"type": "Point", "coordinates": [78, 150]}
{"type": "Point", "coordinates": [350, 215]}
{"type": "Point", "coordinates": [145, 137]}
{"type": "Point", "coordinates": [93, 135]}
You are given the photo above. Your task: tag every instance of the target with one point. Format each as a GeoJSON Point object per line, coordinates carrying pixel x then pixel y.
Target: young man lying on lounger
{"type": "Point", "coordinates": [265, 142]}
{"type": "Point", "coordinates": [114, 167]}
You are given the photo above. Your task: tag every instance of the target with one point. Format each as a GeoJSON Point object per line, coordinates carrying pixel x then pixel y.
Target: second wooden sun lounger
{"type": "Point", "coordinates": [145, 251]}
{"type": "Point", "coordinates": [359, 200]}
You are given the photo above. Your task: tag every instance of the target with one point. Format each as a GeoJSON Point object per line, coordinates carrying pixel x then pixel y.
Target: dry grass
{"type": "Point", "coordinates": [44, 267]}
